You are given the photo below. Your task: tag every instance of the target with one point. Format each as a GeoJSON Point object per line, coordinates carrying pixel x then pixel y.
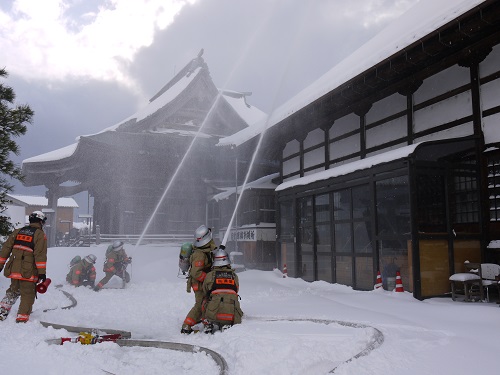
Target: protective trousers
{"type": "Point", "coordinates": [194, 315]}
{"type": "Point", "coordinates": [25, 289]}
{"type": "Point", "coordinates": [124, 275]}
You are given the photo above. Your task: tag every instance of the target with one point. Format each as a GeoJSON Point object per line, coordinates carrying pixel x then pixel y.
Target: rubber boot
{"type": "Point", "coordinates": [22, 318]}
{"type": "Point", "coordinates": [186, 329]}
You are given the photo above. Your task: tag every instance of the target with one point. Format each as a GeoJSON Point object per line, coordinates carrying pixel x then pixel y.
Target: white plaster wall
{"type": "Point", "coordinates": [456, 132]}
{"type": "Point", "coordinates": [344, 125]}
{"type": "Point", "coordinates": [445, 111]}
{"type": "Point", "coordinates": [442, 82]}
{"type": "Point", "coordinates": [344, 147]}
{"type": "Point", "coordinates": [386, 107]}
{"type": "Point", "coordinates": [291, 166]}
{"type": "Point", "coordinates": [491, 64]}
{"type": "Point", "coordinates": [491, 128]}
{"type": "Point", "coordinates": [291, 148]}
{"type": "Point", "coordinates": [389, 131]}
{"type": "Point", "coordinates": [490, 94]}
{"type": "Point", "coordinates": [314, 157]}
{"type": "Point", "coordinates": [314, 138]}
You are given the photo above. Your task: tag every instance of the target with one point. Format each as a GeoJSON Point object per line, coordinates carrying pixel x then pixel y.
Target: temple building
{"type": "Point", "coordinates": [156, 168]}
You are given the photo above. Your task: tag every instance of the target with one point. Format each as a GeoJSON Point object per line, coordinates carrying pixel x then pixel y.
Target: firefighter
{"type": "Point", "coordinates": [115, 264]}
{"type": "Point", "coordinates": [200, 264]}
{"type": "Point", "coordinates": [221, 308]}
{"type": "Point", "coordinates": [26, 251]}
{"type": "Point", "coordinates": [83, 272]}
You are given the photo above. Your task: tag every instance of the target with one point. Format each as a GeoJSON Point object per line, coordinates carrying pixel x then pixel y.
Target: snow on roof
{"type": "Point", "coordinates": [186, 133]}
{"type": "Point", "coordinates": [248, 113]}
{"type": "Point", "coordinates": [350, 167]}
{"type": "Point", "coordinates": [261, 183]}
{"type": "Point", "coordinates": [32, 200]}
{"type": "Point", "coordinates": [159, 102]}
{"type": "Point", "coordinates": [420, 20]}
{"type": "Point", "coordinates": [58, 154]}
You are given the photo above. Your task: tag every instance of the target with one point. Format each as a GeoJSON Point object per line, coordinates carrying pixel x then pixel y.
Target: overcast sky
{"type": "Point", "coordinates": [84, 65]}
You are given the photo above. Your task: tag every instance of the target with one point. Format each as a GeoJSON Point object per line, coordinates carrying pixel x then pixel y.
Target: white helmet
{"type": "Point", "coordinates": [37, 217]}
{"type": "Point", "coordinates": [221, 258]}
{"type": "Point", "coordinates": [91, 258]}
{"type": "Point", "coordinates": [117, 245]}
{"type": "Point", "coordinates": [202, 236]}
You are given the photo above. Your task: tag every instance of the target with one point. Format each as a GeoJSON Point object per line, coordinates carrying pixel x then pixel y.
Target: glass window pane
{"type": "Point", "coordinates": [287, 221]}
{"type": "Point", "coordinates": [364, 273]}
{"type": "Point", "coordinates": [323, 239]}
{"type": "Point", "coordinates": [342, 205]}
{"type": "Point", "coordinates": [343, 270]}
{"type": "Point", "coordinates": [393, 206]}
{"type": "Point", "coordinates": [362, 237]}
{"type": "Point", "coordinates": [361, 201]}
{"type": "Point", "coordinates": [288, 257]}
{"type": "Point", "coordinates": [322, 203]}
{"type": "Point", "coordinates": [343, 238]}
{"type": "Point", "coordinates": [307, 268]}
{"type": "Point", "coordinates": [325, 267]}
{"type": "Point", "coordinates": [431, 206]}
{"type": "Point", "coordinates": [394, 257]}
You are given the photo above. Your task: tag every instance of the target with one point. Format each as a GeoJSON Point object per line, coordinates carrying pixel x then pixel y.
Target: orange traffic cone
{"type": "Point", "coordinates": [378, 283]}
{"type": "Point", "coordinates": [285, 272]}
{"type": "Point", "coordinates": [399, 283]}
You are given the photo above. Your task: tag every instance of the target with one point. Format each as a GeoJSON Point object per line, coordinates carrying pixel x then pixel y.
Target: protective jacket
{"type": "Point", "coordinates": [116, 261]}
{"type": "Point", "coordinates": [26, 251]}
{"type": "Point", "coordinates": [222, 305]}
{"type": "Point", "coordinates": [82, 273]}
{"type": "Point", "coordinates": [201, 261]}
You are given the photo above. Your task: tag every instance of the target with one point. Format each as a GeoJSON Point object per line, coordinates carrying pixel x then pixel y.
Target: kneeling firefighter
{"type": "Point", "coordinates": [83, 272]}
{"type": "Point", "coordinates": [221, 308]}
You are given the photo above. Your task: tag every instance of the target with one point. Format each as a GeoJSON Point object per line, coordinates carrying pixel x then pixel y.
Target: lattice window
{"type": "Point", "coordinates": [494, 187]}
{"type": "Point", "coordinates": [466, 208]}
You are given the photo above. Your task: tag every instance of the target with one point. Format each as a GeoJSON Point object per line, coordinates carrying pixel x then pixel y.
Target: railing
{"type": "Point", "coordinates": [146, 239]}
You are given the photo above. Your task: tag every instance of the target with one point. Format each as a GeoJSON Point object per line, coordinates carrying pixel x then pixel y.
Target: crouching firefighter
{"type": "Point", "coordinates": [221, 308]}
{"type": "Point", "coordinates": [200, 262]}
{"type": "Point", "coordinates": [83, 272]}
{"type": "Point", "coordinates": [26, 251]}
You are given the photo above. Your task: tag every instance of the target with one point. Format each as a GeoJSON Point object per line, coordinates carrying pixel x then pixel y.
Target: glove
{"type": "Point", "coordinates": [222, 247]}
{"type": "Point", "coordinates": [129, 260]}
{"type": "Point", "coordinates": [42, 277]}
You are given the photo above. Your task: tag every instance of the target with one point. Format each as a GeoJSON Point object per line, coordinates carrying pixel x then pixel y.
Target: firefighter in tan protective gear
{"type": "Point", "coordinates": [201, 263]}
{"type": "Point", "coordinates": [116, 263]}
{"type": "Point", "coordinates": [221, 307]}
{"type": "Point", "coordinates": [24, 256]}
{"type": "Point", "coordinates": [83, 272]}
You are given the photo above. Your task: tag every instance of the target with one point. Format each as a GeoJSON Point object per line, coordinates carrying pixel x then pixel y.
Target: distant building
{"type": "Point", "coordinates": [22, 206]}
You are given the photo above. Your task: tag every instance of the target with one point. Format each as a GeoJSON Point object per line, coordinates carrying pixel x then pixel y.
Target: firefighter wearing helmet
{"type": "Point", "coordinates": [116, 263]}
{"type": "Point", "coordinates": [200, 262]}
{"type": "Point", "coordinates": [83, 272]}
{"type": "Point", "coordinates": [221, 308]}
{"type": "Point", "coordinates": [24, 256]}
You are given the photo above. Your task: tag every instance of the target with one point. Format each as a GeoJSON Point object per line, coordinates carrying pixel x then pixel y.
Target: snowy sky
{"type": "Point", "coordinates": [85, 65]}
{"type": "Point", "coordinates": [290, 327]}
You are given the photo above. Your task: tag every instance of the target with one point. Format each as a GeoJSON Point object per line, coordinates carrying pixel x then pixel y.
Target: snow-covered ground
{"type": "Point", "coordinates": [436, 336]}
